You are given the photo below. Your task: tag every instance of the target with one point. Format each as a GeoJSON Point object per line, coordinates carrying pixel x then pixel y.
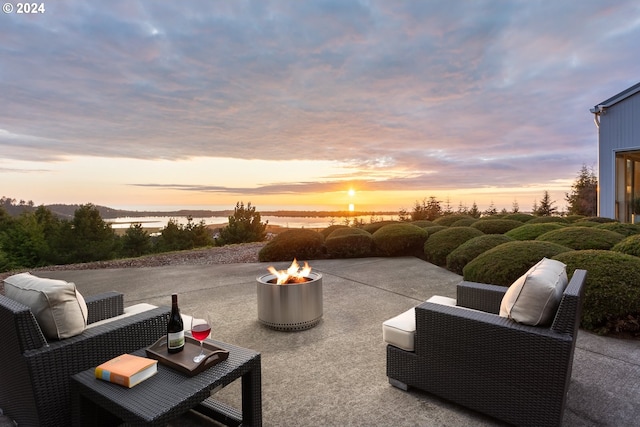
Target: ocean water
{"type": "Point", "coordinates": [283, 221]}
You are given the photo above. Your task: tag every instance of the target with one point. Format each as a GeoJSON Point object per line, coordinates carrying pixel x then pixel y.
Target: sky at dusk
{"type": "Point", "coordinates": [290, 104]}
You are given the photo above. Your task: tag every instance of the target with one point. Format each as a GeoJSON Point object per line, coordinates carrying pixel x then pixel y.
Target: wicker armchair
{"type": "Point", "coordinates": [513, 372]}
{"type": "Point", "coordinates": [34, 374]}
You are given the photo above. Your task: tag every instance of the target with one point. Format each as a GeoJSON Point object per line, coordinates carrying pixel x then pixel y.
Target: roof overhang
{"type": "Point", "coordinates": [602, 107]}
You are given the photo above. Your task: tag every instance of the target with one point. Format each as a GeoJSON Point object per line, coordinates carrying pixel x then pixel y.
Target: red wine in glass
{"type": "Point", "coordinates": [201, 332]}
{"type": "Point", "coordinates": [200, 329]}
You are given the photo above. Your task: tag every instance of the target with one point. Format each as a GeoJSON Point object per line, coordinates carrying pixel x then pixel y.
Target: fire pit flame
{"type": "Point", "coordinates": [293, 274]}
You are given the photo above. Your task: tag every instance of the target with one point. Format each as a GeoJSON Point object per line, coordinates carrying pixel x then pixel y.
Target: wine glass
{"type": "Point", "coordinates": [200, 330]}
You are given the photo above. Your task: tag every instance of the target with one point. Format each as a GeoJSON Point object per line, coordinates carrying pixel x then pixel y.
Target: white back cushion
{"type": "Point", "coordinates": [57, 305]}
{"type": "Point", "coordinates": [533, 299]}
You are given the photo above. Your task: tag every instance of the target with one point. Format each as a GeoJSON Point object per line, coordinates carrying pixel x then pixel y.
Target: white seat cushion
{"type": "Point", "coordinates": [400, 331]}
{"type": "Point", "coordinates": [140, 308]}
{"type": "Point", "coordinates": [534, 298]}
{"type": "Point", "coordinates": [58, 307]}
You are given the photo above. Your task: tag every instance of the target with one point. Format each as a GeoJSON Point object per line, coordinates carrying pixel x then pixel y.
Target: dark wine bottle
{"type": "Point", "coordinates": [175, 328]}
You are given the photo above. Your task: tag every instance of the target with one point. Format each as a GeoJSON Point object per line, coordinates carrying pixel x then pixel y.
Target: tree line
{"type": "Point", "coordinates": [582, 200]}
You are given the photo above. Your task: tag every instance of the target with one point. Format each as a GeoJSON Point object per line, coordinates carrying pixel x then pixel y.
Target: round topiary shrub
{"type": "Point", "coordinates": [349, 243]}
{"type": "Point", "coordinates": [580, 238]}
{"type": "Point", "coordinates": [629, 246]}
{"type": "Point", "coordinates": [423, 223]}
{"type": "Point", "coordinates": [574, 218]}
{"type": "Point", "coordinates": [503, 264]}
{"type": "Point", "coordinates": [330, 229]}
{"type": "Point", "coordinates": [522, 217]}
{"type": "Point", "coordinates": [532, 231]}
{"type": "Point", "coordinates": [442, 243]}
{"type": "Point", "coordinates": [400, 239]}
{"type": "Point", "coordinates": [496, 226]}
{"type": "Point", "coordinates": [447, 220]}
{"type": "Point", "coordinates": [435, 229]}
{"type": "Point", "coordinates": [612, 290]}
{"type": "Point", "coordinates": [599, 219]}
{"type": "Point", "coordinates": [585, 224]}
{"type": "Point", "coordinates": [464, 222]}
{"type": "Point", "coordinates": [545, 219]}
{"type": "Point", "coordinates": [466, 252]}
{"type": "Point", "coordinates": [296, 243]}
{"type": "Point", "coordinates": [375, 226]}
{"type": "Point", "coordinates": [620, 228]}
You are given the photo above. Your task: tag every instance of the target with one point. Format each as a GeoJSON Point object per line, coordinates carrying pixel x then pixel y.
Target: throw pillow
{"type": "Point", "coordinates": [534, 298]}
{"type": "Point", "coordinates": [57, 305]}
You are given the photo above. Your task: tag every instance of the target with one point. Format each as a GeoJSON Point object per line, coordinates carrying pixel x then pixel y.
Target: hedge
{"type": "Point", "coordinates": [295, 243]}
{"type": "Point", "coordinates": [503, 264]}
{"type": "Point", "coordinates": [440, 244]}
{"type": "Point", "coordinates": [581, 238]}
{"type": "Point", "coordinates": [400, 239]}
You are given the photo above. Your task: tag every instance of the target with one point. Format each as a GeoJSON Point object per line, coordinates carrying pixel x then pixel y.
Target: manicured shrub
{"type": "Point", "coordinates": [375, 226]}
{"type": "Point", "coordinates": [400, 239]}
{"type": "Point", "coordinates": [612, 290]}
{"type": "Point", "coordinates": [330, 229]}
{"type": "Point", "coordinates": [496, 226]}
{"type": "Point", "coordinates": [620, 228]}
{"type": "Point", "coordinates": [464, 222]}
{"type": "Point", "coordinates": [545, 219]}
{"type": "Point", "coordinates": [349, 243]}
{"type": "Point", "coordinates": [300, 243]}
{"type": "Point", "coordinates": [423, 223]}
{"type": "Point", "coordinates": [532, 231]}
{"type": "Point", "coordinates": [574, 218]}
{"type": "Point", "coordinates": [466, 252]}
{"type": "Point", "coordinates": [503, 264]}
{"type": "Point", "coordinates": [435, 229]}
{"type": "Point", "coordinates": [447, 220]}
{"type": "Point", "coordinates": [440, 244]}
{"type": "Point", "coordinates": [522, 217]}
{"type": "Point", "coordinates": [629, 246]}
{"type": "Point", "coordinates": [600, 219]}
{"type": "Point", "coordinates": [584, 224]}
{"type": "Point", "coordinates": [580, 238]}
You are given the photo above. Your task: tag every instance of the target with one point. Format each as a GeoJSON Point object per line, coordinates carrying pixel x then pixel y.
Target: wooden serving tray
{"type": "Point", "coordinates": [183, 361]}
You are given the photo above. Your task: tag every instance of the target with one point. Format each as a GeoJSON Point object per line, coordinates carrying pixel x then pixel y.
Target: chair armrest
{"type": "Point", "coordinates": [488, 343]}
{"type": "Point", "coordinates": [480, 296]}
{"type": "Point", "coordinates": [104, 306]}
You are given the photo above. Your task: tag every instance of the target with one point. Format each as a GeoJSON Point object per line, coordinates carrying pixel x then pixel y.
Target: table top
{"type": "Point", "coordinates": [169, 391]}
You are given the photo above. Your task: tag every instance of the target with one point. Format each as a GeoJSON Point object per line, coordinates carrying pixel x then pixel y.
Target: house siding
{"type": "Point", "coordinates": [619, 131]}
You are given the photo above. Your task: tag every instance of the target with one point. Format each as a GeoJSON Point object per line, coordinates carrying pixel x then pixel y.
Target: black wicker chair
{"type": "Point", "coordinates": [34, 374]}
{"type": "Point", "coordinates": [517, 373]}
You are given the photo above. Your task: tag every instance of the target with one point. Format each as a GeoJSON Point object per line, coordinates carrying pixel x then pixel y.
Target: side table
{"type": "Point", "coordinates": [169, 394]}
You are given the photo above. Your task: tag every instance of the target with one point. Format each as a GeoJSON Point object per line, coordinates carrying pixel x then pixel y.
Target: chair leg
{"type": "Point", "coordinates": [398, 384]}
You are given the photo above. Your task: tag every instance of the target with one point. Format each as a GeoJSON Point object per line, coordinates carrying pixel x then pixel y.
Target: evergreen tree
{"type": "Point", "coordinates": [428, 210]}
{"type": "Point", "coordinates": [474, 211]}
{"type": "Point", "coordinates": [136, 241]}
{"type": "Point", "coordinates": [93, 239]}
{"type": "Point", "coordinates": [545, 208]}
{"type": "Point", "coordinates": [583, 199]}
{"type": "Point", "coordinates": [244, 226]}
{"type": "Point", "coordinates": [515, 208]}
{"type": "Point", "coordinates": [491, 210]}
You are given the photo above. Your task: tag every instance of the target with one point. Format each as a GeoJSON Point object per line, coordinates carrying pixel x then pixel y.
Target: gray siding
{"type": "Point", "coordinates": [619, 131]}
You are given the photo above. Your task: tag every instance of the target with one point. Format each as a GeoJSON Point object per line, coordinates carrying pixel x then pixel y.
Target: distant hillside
{"type": "Point", "coordinates": [68, 211]}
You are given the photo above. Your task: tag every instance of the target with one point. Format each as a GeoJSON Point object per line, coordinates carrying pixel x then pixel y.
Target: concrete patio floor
{"type": "Point", "coordinates": [334, 374]}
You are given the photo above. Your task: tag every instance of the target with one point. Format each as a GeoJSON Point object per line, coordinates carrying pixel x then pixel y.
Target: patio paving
{"type": "Point", "coordinates": [334, 374]}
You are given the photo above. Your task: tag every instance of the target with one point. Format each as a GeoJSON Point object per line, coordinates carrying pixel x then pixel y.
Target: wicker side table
{"type": "Point", "coordinates": [169, 394]}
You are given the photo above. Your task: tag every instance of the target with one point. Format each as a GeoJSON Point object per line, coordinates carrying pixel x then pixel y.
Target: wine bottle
{"type": "Point", "coordinates": [175, 328]}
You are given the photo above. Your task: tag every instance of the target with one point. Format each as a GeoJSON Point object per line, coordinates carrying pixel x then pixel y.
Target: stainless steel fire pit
{"type": "Point", "coordinates": [291, 307]}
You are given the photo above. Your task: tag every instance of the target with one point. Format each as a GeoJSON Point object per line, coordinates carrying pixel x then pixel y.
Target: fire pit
{"type": "Point", "coordinates": [290, 300]}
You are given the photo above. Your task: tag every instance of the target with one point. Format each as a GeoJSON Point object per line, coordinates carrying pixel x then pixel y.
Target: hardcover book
{"type": "Point", "coordinates": [127, 370]}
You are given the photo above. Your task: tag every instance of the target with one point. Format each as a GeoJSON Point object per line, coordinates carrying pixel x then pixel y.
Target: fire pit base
{"type": "Point", "coordinates": [293, 307]}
